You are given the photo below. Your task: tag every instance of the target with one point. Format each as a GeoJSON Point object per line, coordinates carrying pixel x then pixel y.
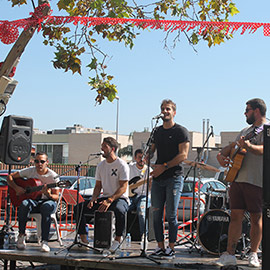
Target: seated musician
{"type": "Point", "coordinates": [46, 204]}
{"type": "Point", "coordinates": [112, 177]}
{"type": "Point", "coordinates": [137, 188]}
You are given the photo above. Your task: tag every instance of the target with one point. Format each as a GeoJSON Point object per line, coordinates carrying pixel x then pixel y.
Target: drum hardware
{"type": "Point", "coordinates": [196, 164]}
{"type": "Point", "coordinates": [191, 238]}
{"type": "Point", "coordinates": [78, 215]}
{"type": "Point", "coordinates": [213, 233]}
{"type": "Point", "coordinates": [146, 153]}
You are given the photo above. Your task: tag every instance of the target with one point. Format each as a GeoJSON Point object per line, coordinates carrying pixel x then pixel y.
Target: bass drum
{"type": "Point", "coordinates": [213, 232]}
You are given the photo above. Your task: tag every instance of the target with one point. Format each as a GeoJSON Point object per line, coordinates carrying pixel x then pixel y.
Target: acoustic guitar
{"type": "Point", "coordinates": [237, 156]}
{"type": "Point", "coordinates": [32, 188]}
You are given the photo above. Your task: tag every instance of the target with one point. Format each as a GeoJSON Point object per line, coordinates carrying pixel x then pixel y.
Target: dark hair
{"type": "Point", "coordinates": [41, 154]}
{"type": "Point", "coordinates": [257, 103]}
{"type": "Point", "coordinates": [138, 151]}
{"type": "Point", "coordinates": [111, 142]}
{"type": "Point", "coordinates": [168, 101]}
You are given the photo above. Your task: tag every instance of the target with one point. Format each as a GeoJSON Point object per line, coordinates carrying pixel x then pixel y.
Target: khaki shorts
{"type": "Point", "coordinates": [246, 196]}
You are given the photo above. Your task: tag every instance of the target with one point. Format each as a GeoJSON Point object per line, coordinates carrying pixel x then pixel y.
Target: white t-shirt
{"type": "Point", "coordinates": [110, 173]}
{"type": "Point", "coordinates": [135, 171]}
{"type": "Point", "coordinates": [48, 178]}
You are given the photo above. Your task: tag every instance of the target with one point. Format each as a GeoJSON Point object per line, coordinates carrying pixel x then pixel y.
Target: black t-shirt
{"type": "Point", "coordinates": [167, 145]}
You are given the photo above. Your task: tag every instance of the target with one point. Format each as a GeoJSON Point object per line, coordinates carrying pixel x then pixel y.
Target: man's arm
{"type": "Point", "coordinates": [51, 193]}
{"type": "Point", "coordinates": [253, 148]}
{"type": "Point", "coordinates": [183, 154]}
{"type": "Point", "coordinates": [96, 193]}
{"type": "Point", "coordinates": [10, 180]}
{"type": "Point", "coordinates": [104, 205]}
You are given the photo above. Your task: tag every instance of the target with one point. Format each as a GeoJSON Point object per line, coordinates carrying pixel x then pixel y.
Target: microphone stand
{"type": "Point", "coordinates": [7, 227]}
{"type": "Point", "coordinates": [143, 251]}
{"type": "Point", "coordinates": [75, 241]}
{"type": "Point", "coordinates": [191, 240]}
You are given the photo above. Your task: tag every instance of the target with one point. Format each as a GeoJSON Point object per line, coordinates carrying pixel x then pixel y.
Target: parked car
{"type": "Point", "coordinates": [212, 196]}
{"type": "Point", "coordinates": [4, 187]}
{"type": "Point", "coordinates": [86, 189]}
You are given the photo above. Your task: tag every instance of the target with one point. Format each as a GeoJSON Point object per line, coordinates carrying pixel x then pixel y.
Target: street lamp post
{"type": "Point", "coordinates": [117, 118]}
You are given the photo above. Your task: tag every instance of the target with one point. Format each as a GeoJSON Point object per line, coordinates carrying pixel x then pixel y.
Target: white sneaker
{"type": "Point", "coordinates": [21, 242]}
{"type": "Point", "coordinates": [253, 260]}
{"type": "Point", "coordinates": [226, 259]}
{"type": "Point", "coordinates": [45, 247]}
{"type": "Point", "coordinates": [115, 245]}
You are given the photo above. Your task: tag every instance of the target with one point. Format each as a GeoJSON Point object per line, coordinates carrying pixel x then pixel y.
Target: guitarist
{"type": "Point", "coordinates": [246, 191]}
{"type": "Point", "coordinates": [138, 171]}
{"type": "Point", "coordinates": [46, 205]}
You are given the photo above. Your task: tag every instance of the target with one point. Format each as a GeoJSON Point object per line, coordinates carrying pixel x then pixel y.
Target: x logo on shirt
{"type": "Point", "coordinates": [114, 172]}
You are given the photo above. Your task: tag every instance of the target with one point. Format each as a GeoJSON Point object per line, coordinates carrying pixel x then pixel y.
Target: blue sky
{"type": "Point", "coordinates": [213, 83]}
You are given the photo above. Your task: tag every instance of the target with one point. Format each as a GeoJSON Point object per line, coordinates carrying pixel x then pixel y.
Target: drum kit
{"type": "Point", "coordinates": [211, 232]}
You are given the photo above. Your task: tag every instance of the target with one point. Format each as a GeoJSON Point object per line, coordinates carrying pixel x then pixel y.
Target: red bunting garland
{"type": "Point", "coordinates": [9, 30]}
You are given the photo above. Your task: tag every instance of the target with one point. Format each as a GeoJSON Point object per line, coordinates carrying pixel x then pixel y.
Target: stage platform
{"type": "Point", "coordinates": [76, 258]}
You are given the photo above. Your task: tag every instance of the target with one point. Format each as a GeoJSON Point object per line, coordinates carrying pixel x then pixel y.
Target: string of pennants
{"type": "Point", "coordinates": [9, 30]}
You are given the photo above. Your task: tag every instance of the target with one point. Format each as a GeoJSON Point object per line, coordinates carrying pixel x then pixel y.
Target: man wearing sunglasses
{"type": "Point", "coordinates": [246, 189]}
{"type": "Point", "coordinates": [45, 205]}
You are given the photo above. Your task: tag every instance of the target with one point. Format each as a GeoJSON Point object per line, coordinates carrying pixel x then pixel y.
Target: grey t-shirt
{"type": "Point", "coordinates": [251, 170]}
{"type": "Point", "coordinates": [49, 178]}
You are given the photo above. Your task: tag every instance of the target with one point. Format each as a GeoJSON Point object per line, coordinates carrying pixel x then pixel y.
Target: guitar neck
{"type": "Point", "coordinates": [38, 188]}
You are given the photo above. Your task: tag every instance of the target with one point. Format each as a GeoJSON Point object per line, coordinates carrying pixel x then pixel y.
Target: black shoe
{"type": "Point", "coordinates": [169, 253]}
{"type": "Point", "coordinates": [158, 253]}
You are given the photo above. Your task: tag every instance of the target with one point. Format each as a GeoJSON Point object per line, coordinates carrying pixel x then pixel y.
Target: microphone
{"type": "Point", "coordinates": [158, 116]}
{"type": "Point", "coordinates": [212, 131]}
{"type": "Point", "coordinates": [97, 154]}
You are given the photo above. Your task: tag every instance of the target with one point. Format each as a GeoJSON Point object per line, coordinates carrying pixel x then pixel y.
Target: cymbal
{"type": "Point", "coordinates": [201, 165]}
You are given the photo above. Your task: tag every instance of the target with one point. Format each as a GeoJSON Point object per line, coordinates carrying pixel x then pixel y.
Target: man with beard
{"type": "Point", "coordinates": [138, 176]}
{"type": "Point", "coordinates": [171, 141]}
{"type": "Point", "coordinates": [246, 190]}
{"type": "Point", "coordinates": [112, 177]}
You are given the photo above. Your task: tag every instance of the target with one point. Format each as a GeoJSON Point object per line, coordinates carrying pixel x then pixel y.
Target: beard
{"type": "Point", "coordinates": [250, 120]}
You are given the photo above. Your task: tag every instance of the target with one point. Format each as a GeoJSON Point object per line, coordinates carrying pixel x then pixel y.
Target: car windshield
{"type": "Point", "coordinates": [86, 183]}
{"type": "Point", "coordinates": [3, 181]}
{"type": "Point", "coordinates": [188, 187]}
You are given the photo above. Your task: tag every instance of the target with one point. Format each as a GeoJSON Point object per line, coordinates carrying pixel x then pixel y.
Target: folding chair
{"type": "Point", "coordinates": [37, 218]}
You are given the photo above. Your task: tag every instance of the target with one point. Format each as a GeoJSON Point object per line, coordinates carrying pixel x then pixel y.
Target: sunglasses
{"type": "Point", "coordinates": [248, 109]}
{"type": "Point", "coordinates": [39, 161]}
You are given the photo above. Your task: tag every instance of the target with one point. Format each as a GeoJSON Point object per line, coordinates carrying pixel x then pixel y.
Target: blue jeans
{"type": "Point", "coordinates": [138, 202]}
{"type": "Point", "coordinates": [119, 207]}
{"type": "Point", "coordinates": [44, 207]}
{"type": "Point", "coordinates": [166, 191]}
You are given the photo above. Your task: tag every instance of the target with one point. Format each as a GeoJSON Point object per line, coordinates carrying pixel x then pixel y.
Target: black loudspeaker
{"type": "Point", "coordinates": [133, 226]}
{"type": "Point", "coordinates": [16, 140]}
{"type": "Point", "coordinates": [266, 200]}
{"type": "Point", "coordinates": [103, 229]}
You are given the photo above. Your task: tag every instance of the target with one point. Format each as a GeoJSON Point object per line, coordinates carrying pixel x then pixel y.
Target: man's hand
{"type": "Point", "coordinates": [19, 190]}
{"type": "Point", "coordinates": [92, 202]}
{"type": "Point", "coordinates": [46, 191]}
{"type": "Point", "coordinates": [104, 205]}
{"type": "Point", "coordinates": [223, 161]}
{"type": "Point", "coordinates": [158, 170]}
